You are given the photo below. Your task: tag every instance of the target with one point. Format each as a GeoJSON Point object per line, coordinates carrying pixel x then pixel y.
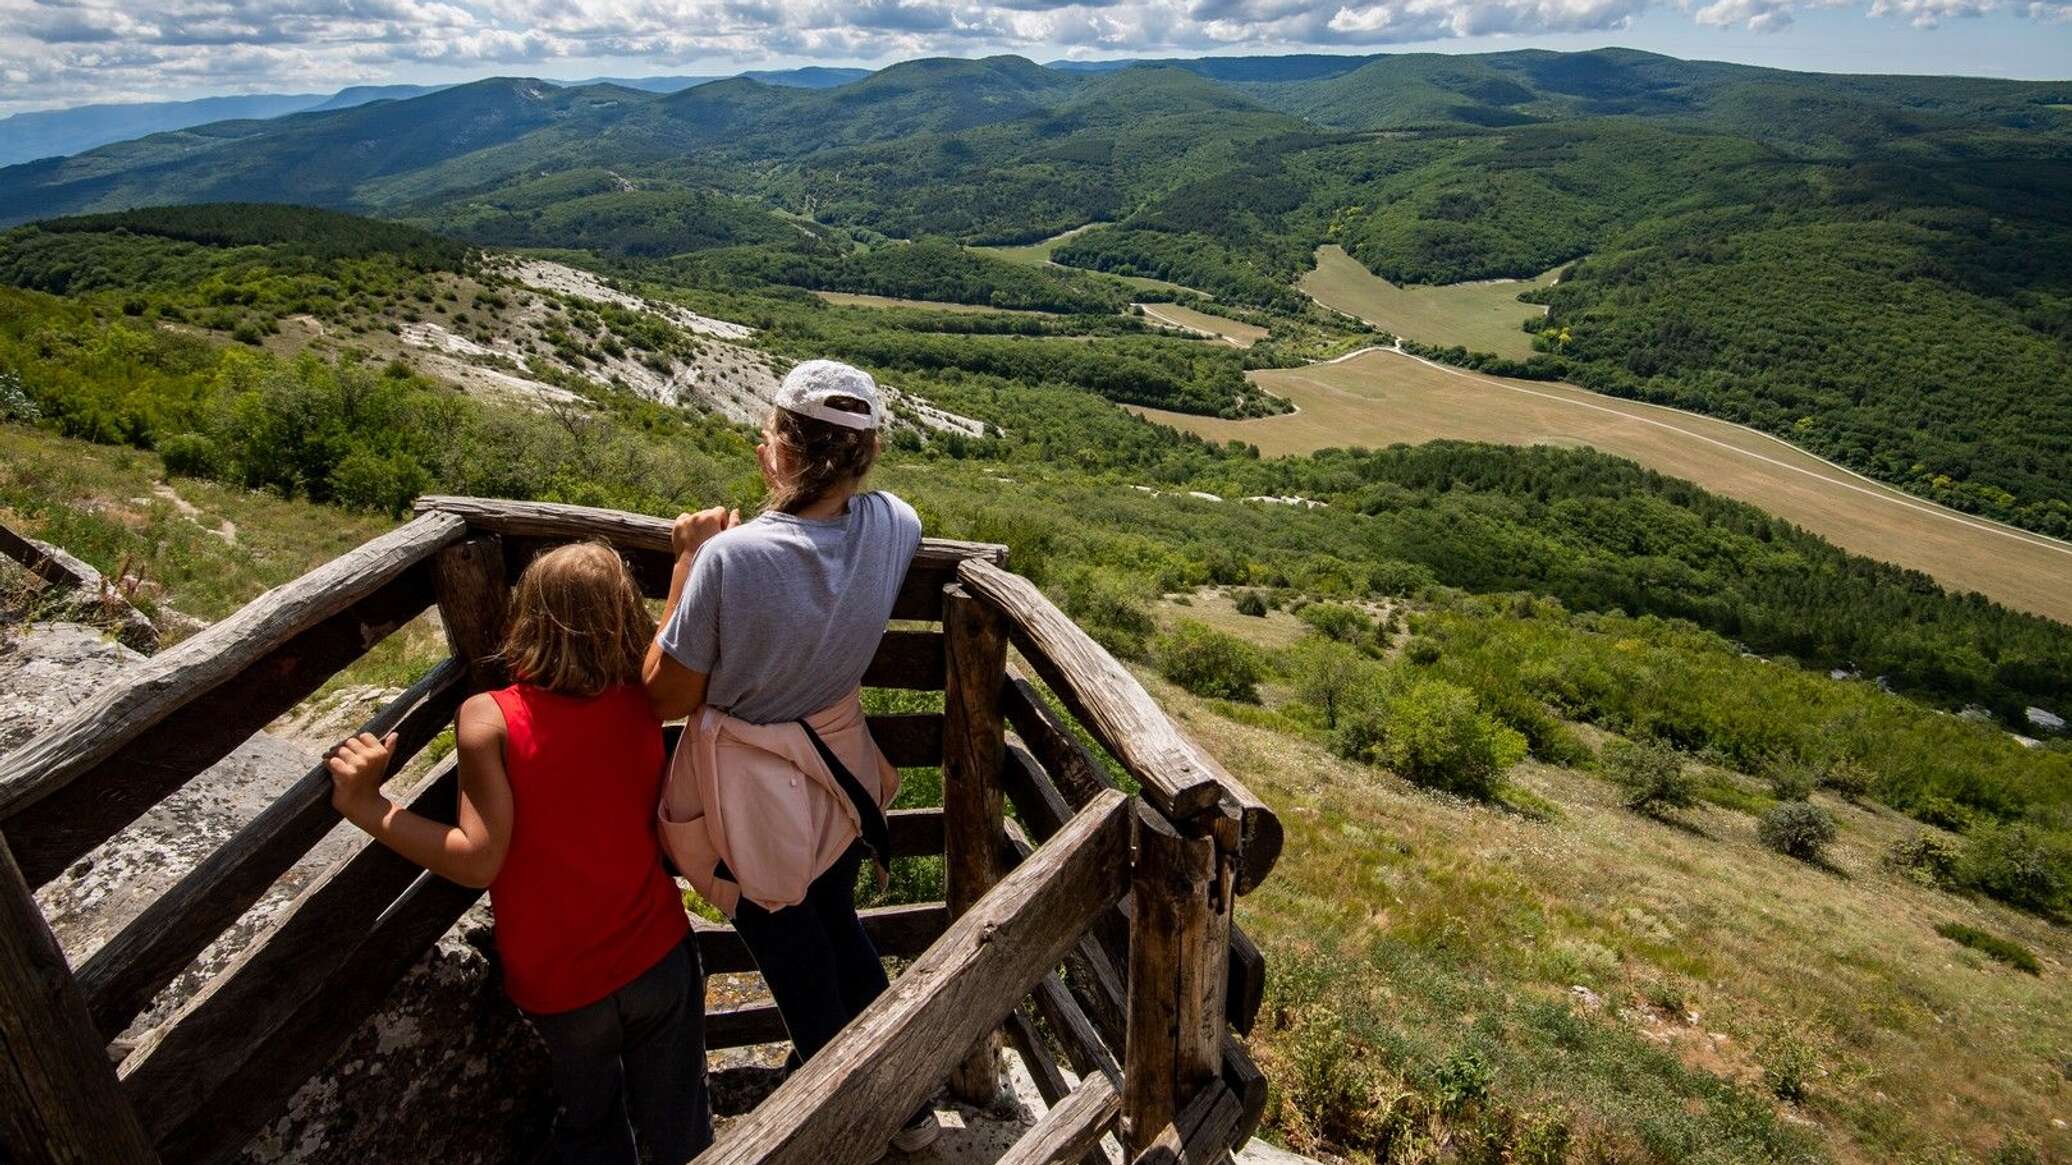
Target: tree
{"type": "Point", "coordinates": [1209, 663]}
{"type": "Point", "coordinates": [1652, 773]}
{"type": "Point", "coordinates": [1328, 676]}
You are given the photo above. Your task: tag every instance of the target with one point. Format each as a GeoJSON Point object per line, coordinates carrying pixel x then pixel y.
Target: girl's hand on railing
{"type": "Point", "coordinates": [691, 531]}
{"type": "Point", "coordinates": [358, 767]}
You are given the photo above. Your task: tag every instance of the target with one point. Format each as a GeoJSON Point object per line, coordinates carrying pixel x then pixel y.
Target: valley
{"type": "Point", "coordinates": [1380, 398]}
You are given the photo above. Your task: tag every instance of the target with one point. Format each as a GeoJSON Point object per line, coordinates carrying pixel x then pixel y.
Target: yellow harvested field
{"type": "Point", "coordinates": [1232, 331]}
{"type": "Point", "coordinates": [1378, 397]}
{"type": "Point", "coordinates": [1482, 317]}
{"type": "Point", "coordinates": [856, 299]}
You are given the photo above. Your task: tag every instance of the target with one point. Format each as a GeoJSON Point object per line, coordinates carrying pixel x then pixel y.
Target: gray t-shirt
{"type": "Point", "coordinates": [785, 612]}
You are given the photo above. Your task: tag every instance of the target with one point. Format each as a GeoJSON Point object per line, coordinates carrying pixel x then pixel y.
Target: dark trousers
{"type": "Point", "coordinates": [820, 966]}
{"type": "Point", "coordinates": [638, 1052]}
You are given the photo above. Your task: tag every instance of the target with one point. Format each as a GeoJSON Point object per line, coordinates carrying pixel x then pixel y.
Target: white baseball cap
{"type": "Point", "coordinates": [809, 387]}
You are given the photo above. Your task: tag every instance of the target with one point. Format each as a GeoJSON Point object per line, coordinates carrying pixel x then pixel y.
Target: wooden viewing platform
{"type": "Point", "coordinates": [1091, 925]}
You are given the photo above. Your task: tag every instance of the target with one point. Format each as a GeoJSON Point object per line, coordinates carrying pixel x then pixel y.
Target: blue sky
{"type": "Point", "coordinates": [70, 52]}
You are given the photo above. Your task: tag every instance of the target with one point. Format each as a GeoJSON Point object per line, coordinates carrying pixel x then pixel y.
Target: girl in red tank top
{"type": "Point", "coordinates": [560, 774]}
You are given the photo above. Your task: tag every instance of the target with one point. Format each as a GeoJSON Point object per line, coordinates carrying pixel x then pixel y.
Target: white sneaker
{"type": "Point", "coordinates": [919, 1132]}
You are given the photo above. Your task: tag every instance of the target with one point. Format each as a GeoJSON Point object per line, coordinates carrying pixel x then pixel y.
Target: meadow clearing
{"type": "Point", "coordinates": [1235, 332]}
{"type": "Point", "coordinates": [1379, 397]}
{"type": "Point", "coordinates": [1039, 254]}
{"type": "Point", "coordinates": [1482, 317]}
{"type": "Point", "coordinates": [858, 299]}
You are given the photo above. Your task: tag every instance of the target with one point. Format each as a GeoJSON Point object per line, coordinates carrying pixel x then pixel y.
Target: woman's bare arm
{"type": "Point", "coordinates": [470, 852]}
{"type": "Point", "coordinates": [673, 690]}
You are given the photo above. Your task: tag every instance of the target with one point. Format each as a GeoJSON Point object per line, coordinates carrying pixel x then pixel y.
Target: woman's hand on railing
{"type": "Point", "coordinates": [690, 531]}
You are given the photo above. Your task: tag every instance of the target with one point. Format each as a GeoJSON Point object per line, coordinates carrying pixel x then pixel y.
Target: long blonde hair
{"type": "Point", "coordinates": [822, 457]}
{"type": "Point", "coordinates": [578, 625]}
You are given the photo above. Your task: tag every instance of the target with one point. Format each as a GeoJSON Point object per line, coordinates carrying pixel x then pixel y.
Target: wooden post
{"type": "Point", "coordinates": [1179, 933]}
{"type": "Point", "coordinates": [974, 742]}
{"type": "Point", "coordinates": [59, 1102]}
{"type": "Point", "coordinates": [468, 578]}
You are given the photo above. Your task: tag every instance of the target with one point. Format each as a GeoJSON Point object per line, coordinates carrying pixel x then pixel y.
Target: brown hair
{"type": "Point", "coordinates": [821, 456]}
{"type": "Point", "coordinates": [578, 625]}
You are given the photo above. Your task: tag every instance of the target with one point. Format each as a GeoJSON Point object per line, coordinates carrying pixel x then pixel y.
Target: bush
{"type": "Point", "coordinates": [1339, 621]}
{"type": "Point", "coordinates": [1992, 946]}
{"type": "Point", "coordinates": [1925, 858]}
{"type": "Point", "coordinates": [1209, 663]}
{"type": "Point", "coordinates": [1787, 1064]}
{"type": "Point", "coordinates": [1433, 733]}
{"type": "Point", "coordinates": [1328, 676]}
{"type": "Point", "coordinates": [1422, 652]}
{"type": "Point", "coordinates": [2015, 864]}
{"type": "Point", "coordinates": [1797, 829]}
{"type": "Point", "coordinates": [1652, 773]}
{"type": "Point", "coordinates": [1792, 780]}
{"type": "Point", "coordinates": [190, 455]}
{"type": "Point", "coordinates": [1111, 610]}
{"type": "Point", "coordinates": [1251, 603]}
{"type": "Point", "coordinates": [1849, 780]}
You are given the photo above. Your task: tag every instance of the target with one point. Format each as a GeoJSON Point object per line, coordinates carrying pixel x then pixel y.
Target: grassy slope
{"type": "Point", "coordinates": [1482, 317]}
{"type": "Point", "coordinates": [1410, 926]}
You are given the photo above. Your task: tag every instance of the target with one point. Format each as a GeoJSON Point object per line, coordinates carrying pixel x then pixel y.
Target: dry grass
{"type": "Point", "coordinates": [1235, 332]}
{"type": "Point", "coordinates": [1482, 316]}
{"type": "Point", "coordinates": [1382, 398]}
{"type": "Point", "coordinates": [1704, 955]}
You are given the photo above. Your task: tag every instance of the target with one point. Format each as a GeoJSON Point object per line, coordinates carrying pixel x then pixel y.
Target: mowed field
{"type": "Point", "coordinates": [1378, 398]}
{"type": "Point", "coordinates": [1242, 334]}
{"type": "Point", "coordinates": [858, 299]}
{"type": "Point", "coordinates": [1482, 317]}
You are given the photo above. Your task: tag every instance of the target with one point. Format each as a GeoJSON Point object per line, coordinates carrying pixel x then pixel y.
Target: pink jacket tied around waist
{"type": "Point", "coordinates": [759, 798]}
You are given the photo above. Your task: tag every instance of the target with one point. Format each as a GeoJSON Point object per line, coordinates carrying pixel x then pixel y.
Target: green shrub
{"type": "Point", "coordinates": [1925, 858]}
{"type": "Point", "coordinates": [1209, 663]}
{"type": "Point", "coordinates": [1994, 947]}
{"type": "Point", "coordinates": [1339, 621]}
{"type": "Point", "coordinates": [1110, 608]}
{"type": "Point", "coordinates": [1462, 1079]}
{"type": "Point", "coordinates": [2015, 864]}
{"type": "Point", "coordinates": [369, 481]}
{"type": "Point", "coordinates": [1787, 1064]}
{"type": "Point", "coordinates": [1422, 652]}
{"type": "Point", "coordinates": [1652, 774]}
{"type": "Point", "coordinates": [1792, 780]}
{"type": "Point", "coordinates": [1797, 829]}
{"type": "Point", "coordinates": [190, 455]}
{"type": "Point", "coordinates": [1328, 676]}
{"type": "Point", "coordinates": [1251, 603]}
{"type": "Point", "coordinates": [1849, 779]}
{"type": "Point", "coordinates": [1433, 733]}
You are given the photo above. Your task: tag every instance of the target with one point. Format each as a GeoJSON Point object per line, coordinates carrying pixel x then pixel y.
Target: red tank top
{"type": "Point", "coordinates": [583, 905]}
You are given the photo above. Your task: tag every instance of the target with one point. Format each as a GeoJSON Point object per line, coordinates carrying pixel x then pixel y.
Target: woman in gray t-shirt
{"type": "Point", "coordinates": [777, 618]}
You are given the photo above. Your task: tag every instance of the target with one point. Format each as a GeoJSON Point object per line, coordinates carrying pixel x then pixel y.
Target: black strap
{"type": "Point", "coordinates": [876, 833]}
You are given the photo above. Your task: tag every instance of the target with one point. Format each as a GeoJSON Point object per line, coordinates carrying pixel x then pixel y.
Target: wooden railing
{"type": "Point", "coordinates": [1089, 923]}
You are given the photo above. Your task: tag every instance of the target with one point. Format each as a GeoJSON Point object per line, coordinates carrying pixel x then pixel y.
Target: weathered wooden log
{"type": "Point", "coordinates": [1076, 1033]}
{"type": "Point", "coordinates": [180, 711]}
{"type": "Point", "coordinates": [123, 976]}
{"type": "Point", "coordinates": [908, 660]}
{"type": "Point", "coordinates": [469, 580]}
{"type": "Point", "coordinates": [53, 566]}
{"type": "Point", "coordinates": [897, 931]}
{"type": "Point", "coordinates": [233, 1054]}
{"type": "Point", "coordinates": [975, 651]}
{"type": "Point", "coordinates": [1043, 805]}
{"type": "Point", "coordinates": [1202, 1134]}
{"type": "Point", "coordinates": [910, 740]}
{"type": "Point", "coordinates": [744, 1025]}
{"type": "Point", "coordinates": [59, 1102]}
{"type": "Point", "coordinates": [915, 832]}
{"type": "Point", "coordinates": [1170, 1051]}
{"type": "Point", "coordinates": [848, 1100]}
{"type": "Point", "coordinates": [1176, 775]}
{"type": "Point", "coordinates": [1071, 765]}
{"type": "Point", "coordinates": [1072, 1129]}
{"type": "Point", "coordinates": [645, 542]}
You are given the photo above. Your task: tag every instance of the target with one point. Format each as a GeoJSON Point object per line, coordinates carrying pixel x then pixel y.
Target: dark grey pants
{"type": "Point", "coordinates": [639, 1052]}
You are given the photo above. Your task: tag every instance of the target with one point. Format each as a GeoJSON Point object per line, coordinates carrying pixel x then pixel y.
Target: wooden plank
{"type": "Point", "coordinates": [184, 709]}
{"type": "Point", "coordinates": [908, 660]}
{"type": "Point", "coordinates": [916, 832]}
{"type": "Point", "coordinates": [224, 1064]}
{"type": "Point", "coordinates": [1071, 1130]}
{"type": "Point", "coordinates": [645, 542]}
{"type": "Point", "coordinates": [1202, 1133]}
{"type": "Point", "coordinates": [897, 931]}
{"type": "Point", "coordinates": [59, 1102]}
{"type": "Point", "coordinates": [1169, 1053]}
{"type": "Point", "coordinates": [1069, 763]}
{"type": "Point", "coordinates": [131, 968]}
{"type": "Point", "coordinates": [1042, 1067]}
{"type": "Point", "coordinates": [1042, 804]}
{"type": "Point", "coordinates": [469, 580]}
{"type": "Point", "coordinates": [1083, 1045]}
{"type": "Point", "coordinates": [974, 739]}
{"type": "Point", "coordinates": [744, 1025]}
{"type": "Point", "coordinates": [54, 566]}
{"type": "Point", "coordinates": [846, 1102]}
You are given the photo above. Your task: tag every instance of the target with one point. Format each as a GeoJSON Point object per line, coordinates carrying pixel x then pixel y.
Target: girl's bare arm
{"type": "Point", "coordinates": [470, 852]}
